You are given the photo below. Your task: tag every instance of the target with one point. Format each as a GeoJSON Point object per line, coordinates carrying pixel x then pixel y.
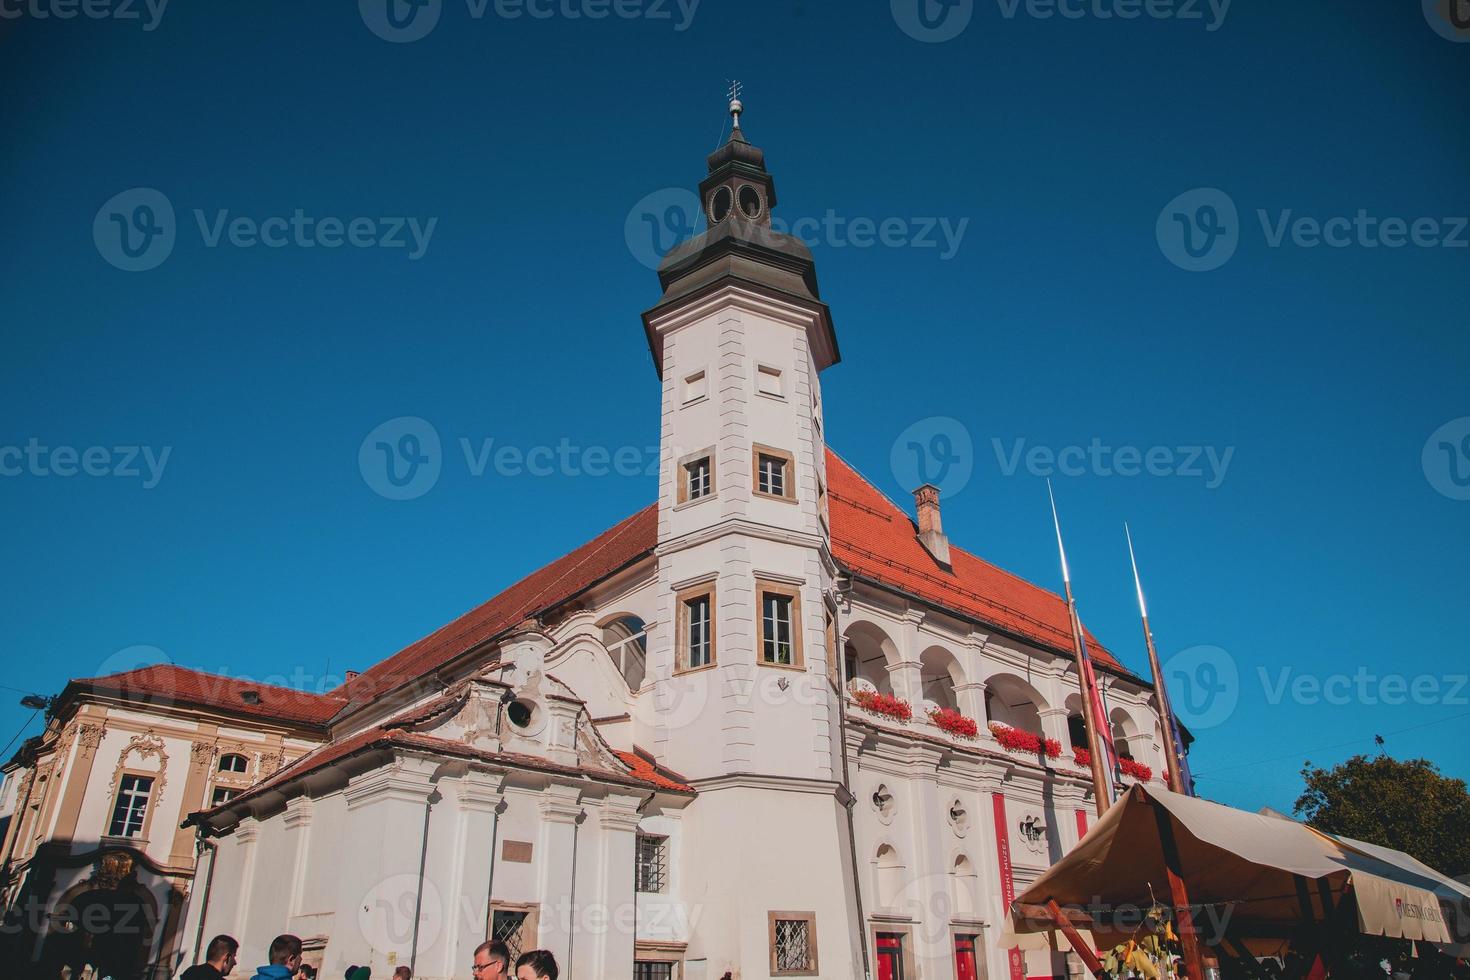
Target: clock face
{"type": "Point", "coordinates": [719, 204]}
{"type": "Point", "coordinates": [750, 201]}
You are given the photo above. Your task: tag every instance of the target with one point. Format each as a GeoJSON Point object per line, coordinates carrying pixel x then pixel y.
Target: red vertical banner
{"type": "Point", "coordinates": [1007, 881]}
{"type": "Point", "coordinates": [1081, 824]}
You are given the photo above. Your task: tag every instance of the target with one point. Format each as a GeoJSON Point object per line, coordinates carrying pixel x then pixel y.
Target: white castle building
{"type": "Point", "coordinates": [664, 755]}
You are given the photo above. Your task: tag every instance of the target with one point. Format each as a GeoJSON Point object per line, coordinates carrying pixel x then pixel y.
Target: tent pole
{"type": "Point", "coordinates": [1094, 965]}
{"type": "Point", "coordinates": [1179, 893]}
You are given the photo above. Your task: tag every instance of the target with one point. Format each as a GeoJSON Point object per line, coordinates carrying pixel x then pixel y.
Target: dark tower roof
{"type": "Point", "coordinates": [739, 244]}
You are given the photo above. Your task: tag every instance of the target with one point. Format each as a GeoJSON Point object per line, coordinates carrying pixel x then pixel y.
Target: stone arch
{"type": "Point", "coordinates": [1076, 722]}
{"type": "Point", "coordinates": [940, 673]}
{"type": "Point", "coordinates": [111, 924]}
{"type": "Point", "coordinates": [887, 876]}
{"type": "Point", "coordinates": [1012, 701]}
{"type": "Point", "coordinates": [964, 886]}
{"type": "Point", "coordinates": [626, 638]}
{"type": "Point", "coordinates": [868, 651]}
{"type": "Point", "coordinates": [1125, 733]}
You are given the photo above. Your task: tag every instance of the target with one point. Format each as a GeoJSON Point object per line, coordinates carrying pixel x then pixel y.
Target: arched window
{"type": "Point", "coordinates": [233, 762]}
{"type": "Point", "coordinates": [626, 639]}
{"type": "Point", "coordinates": [1011, 701]}
{"type": "Point", "coordinates": [890, 877]}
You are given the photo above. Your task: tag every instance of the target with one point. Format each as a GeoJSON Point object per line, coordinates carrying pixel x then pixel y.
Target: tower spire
{"type": "Point", "coordinates": [736, 106]}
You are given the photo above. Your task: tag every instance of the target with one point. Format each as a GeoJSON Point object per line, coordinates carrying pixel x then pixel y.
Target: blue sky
{"type": "Point", "coordinates": [1067, 157]}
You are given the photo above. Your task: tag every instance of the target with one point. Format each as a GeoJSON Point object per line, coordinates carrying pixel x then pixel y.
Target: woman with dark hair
{"type": "Point", "coordinates": [538, 964]}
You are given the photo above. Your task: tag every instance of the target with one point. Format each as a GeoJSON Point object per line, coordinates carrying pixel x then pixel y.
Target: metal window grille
{"type": "Point", "coordinates": [506, 926]}
{"type": "Point", "coordinates": [698, 475]}
{"type": "Point", "coordinates": [776, 628]}
{"type": "Point", "coordinates": [772, 475]}
{"type": "Point", "coordinates": [652, 871]}
{"type": "Point", "coordinates": [697, 610]}
{"type": "Point", "coordinates": [793, 944]}
{"type": "Point", "coordinates": [652, 970]}
{"type": "Point", "coordinates": [131, 806]}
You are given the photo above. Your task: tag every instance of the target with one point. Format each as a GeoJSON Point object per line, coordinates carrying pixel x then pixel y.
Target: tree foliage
{"type": "Point", "coordinates": [1405, 805]}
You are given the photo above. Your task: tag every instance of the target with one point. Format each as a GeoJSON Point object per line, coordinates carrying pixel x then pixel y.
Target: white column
{"type": "Point", "coordinates": [610, 935]}
{"type": "Point", "coordinates": [971, 698]}
{"type": "Point", "coordinates": [561, 811]}
{"type": "Point", "coordinates": [477, 797]}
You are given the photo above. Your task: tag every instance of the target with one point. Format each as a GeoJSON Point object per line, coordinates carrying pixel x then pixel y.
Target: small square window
{"type": "Point", "coordinates": [793, 937]}
{"type": "Point", "coordinates": [222, 794]}
{"type": "Point", "coordinates": [698, 479]}
{"type": "Point", "coordinates": [774, 473]}
{"type": "Point", "coordinates": [696, 386]}
{"type": "Point", "coordinates": [768, 381]}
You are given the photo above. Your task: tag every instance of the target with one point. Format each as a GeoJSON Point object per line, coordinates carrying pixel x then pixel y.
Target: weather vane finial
{"type": "Point", "coordinates": [735, 106]}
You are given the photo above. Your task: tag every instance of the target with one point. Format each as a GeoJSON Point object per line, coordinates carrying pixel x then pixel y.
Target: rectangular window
{"type": "Point", "coordinates": [652, 970]}
{"type": "Point", "coordinates": [222, 794]}
{"type": "Point", "coordinates": [774, 472]}
{"type": "Point", "coordinates": [768, 381]}
{"type": "Point", "coordinates": [695, 387]}
{"type": "Point", "coordinates": [780, 624]}
{"type": "Point", "coordinates": [651, 873]}
{"type": "Point", "coordinates": [515, 925]}
{"type": "Point", "coordinates": [793, 937]}
{"type": "Point", "coordinates": [697, 475]}
{"type": "Point", "coordinates": [131, 809]}
{"type": "Point", "coordinates": [696, 629]}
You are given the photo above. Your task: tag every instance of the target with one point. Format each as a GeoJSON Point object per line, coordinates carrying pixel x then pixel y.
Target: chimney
{"type": "Point", "coordinates": [931, 531]}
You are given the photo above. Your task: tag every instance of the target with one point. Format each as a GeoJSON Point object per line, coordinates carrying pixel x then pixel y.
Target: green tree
{"type": "Point", "coordinates": [1406, 805]}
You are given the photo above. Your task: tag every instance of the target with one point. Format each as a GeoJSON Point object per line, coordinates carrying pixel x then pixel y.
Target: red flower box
{"type": "Point", "coordinates": [883, 704]}
{"type": "Point", "coordinates": [1137, 770]}
{"type": "Point", "coordinates": [950, 720]}
{"type": "Point", "coordinates": [1082, 757]}
{"type": "Point", "coordinates": [1019, 741]}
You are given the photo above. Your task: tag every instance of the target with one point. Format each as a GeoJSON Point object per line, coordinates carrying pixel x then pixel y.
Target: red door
{"type": "Point", "coordinates": [890, 956]}
{"type": "Point", "coordinates": [964, 958]}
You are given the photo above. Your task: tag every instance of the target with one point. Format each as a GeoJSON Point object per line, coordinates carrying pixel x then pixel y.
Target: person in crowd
{"type": "Point", "coordinates": [219, 960]}
{"type": "Point", "coordinates": [492, 961]}
{"type": "Point", "coordinates": [538, 964]}
{"type": "Point", "coordinates": [359, 973]}
{"type": "Point", "coordinates": [306, 972]}
{"type": "Point", "coordinates": [285, 954]}
{"type": "Point", "coordinates": [402, 973]}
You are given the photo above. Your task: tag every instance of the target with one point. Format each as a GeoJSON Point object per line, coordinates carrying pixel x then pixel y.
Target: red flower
{"type": "Point", "coordinates": [950, 720]}
{"type": "Point", "coordinates": [1021, 741]}
{"type": "Point", "coordinates": [1083, 757]}
{"type": "Point", "coordinates": [883, 704]}
{"type": "Point", "coordinates": [1137, 770]}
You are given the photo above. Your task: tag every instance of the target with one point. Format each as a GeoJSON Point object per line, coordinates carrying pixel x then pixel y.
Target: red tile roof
{"type": "Point", "coordinates": [647, 770]}
{"type": "Point", "coordinates": [170, 684]}
{"type": "Point", "coordinates": [871, 536]}
{"type": "Point", "coordinates": [876, 540]}
{"type": "Point", "coordinates": [623, 543]}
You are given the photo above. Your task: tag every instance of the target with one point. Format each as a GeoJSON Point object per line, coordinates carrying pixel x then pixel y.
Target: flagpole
{"type": "Point", "coordinates": [1101, 795]}
{"type": "Point", "coordinates": [1161, 693]}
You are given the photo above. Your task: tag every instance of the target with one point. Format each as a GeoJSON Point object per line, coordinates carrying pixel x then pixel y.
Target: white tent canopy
{"type": "Point", "coordinates": [1253, 877]}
